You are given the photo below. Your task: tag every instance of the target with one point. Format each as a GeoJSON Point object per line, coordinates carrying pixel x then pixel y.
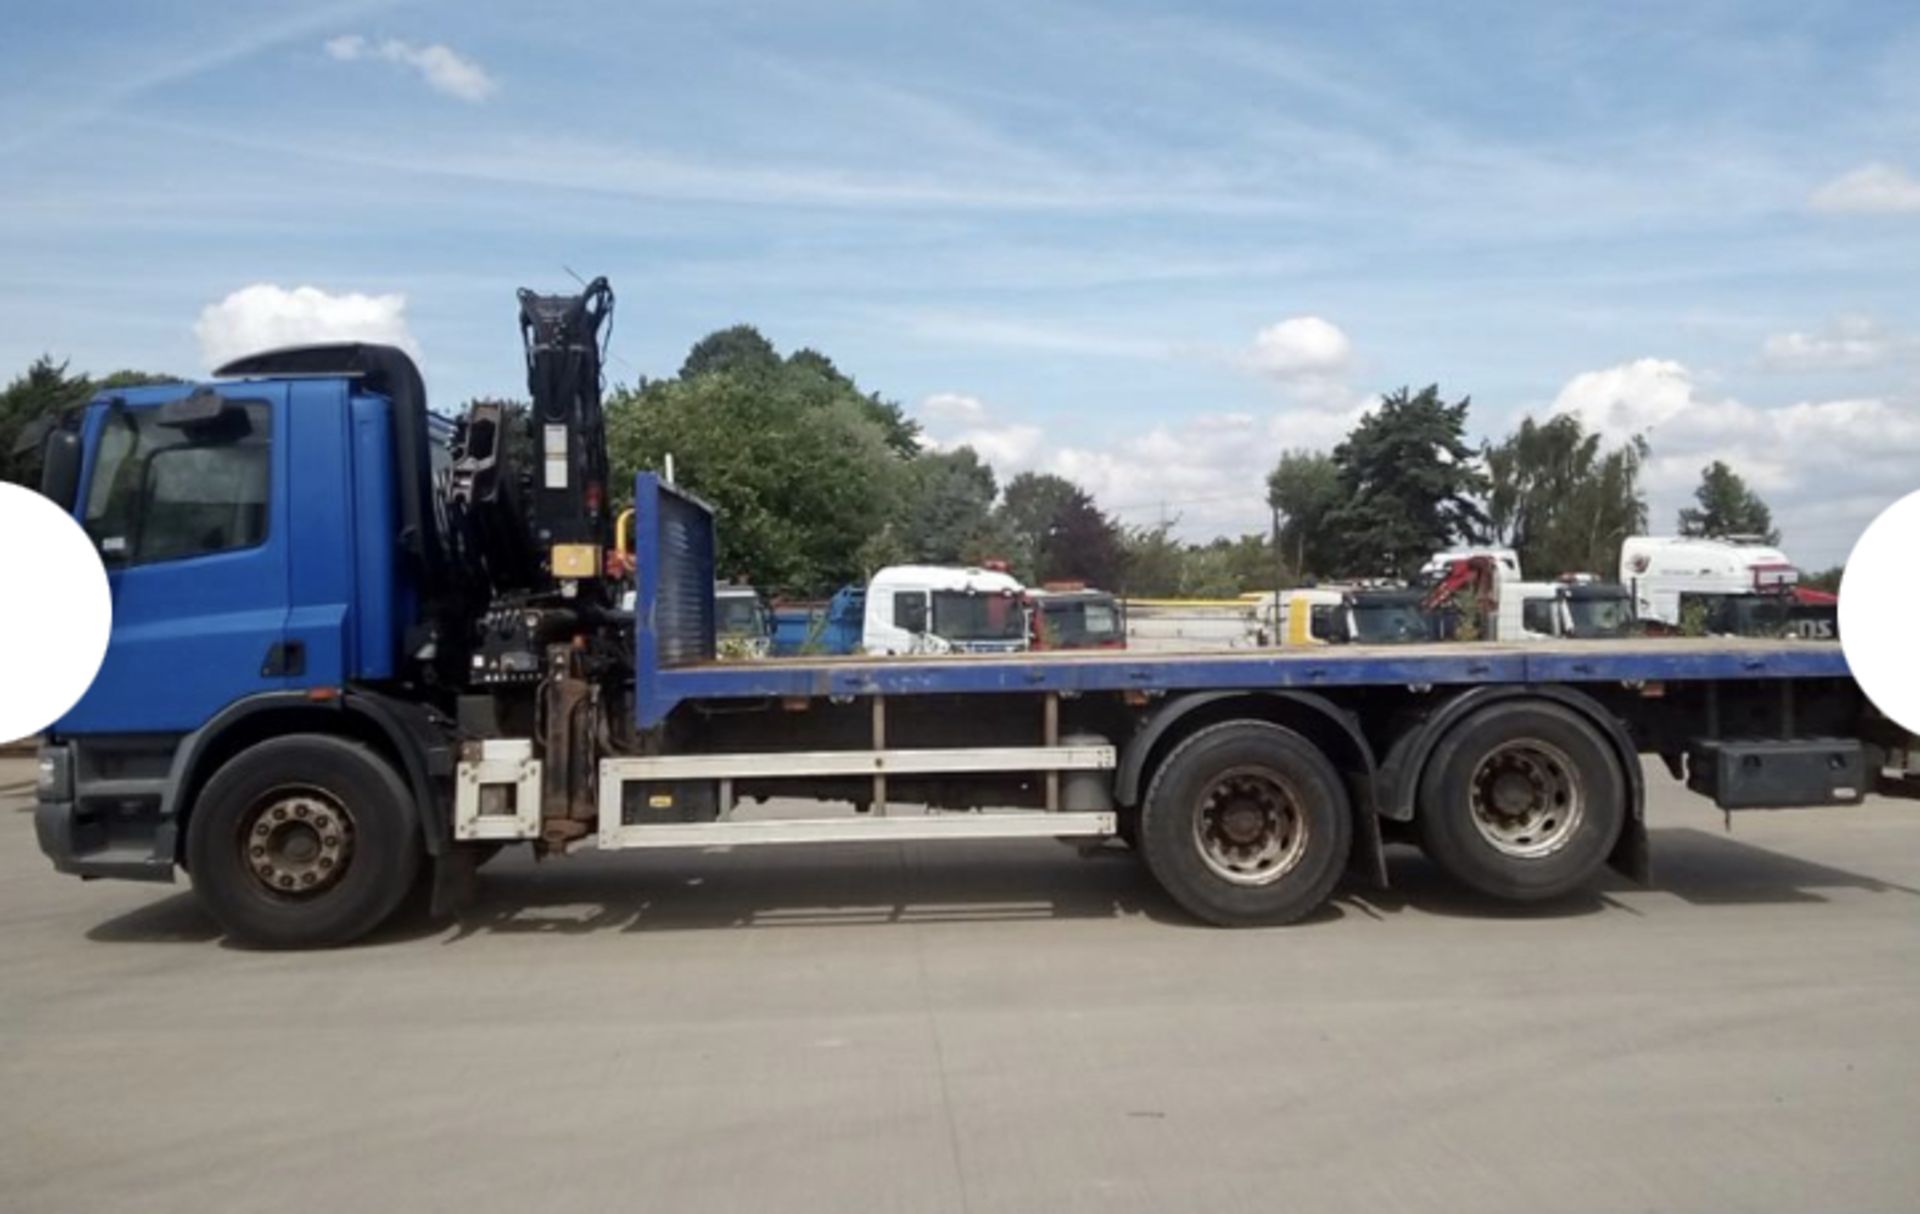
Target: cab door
{"type": "Point", "coordinates": [185, 498]}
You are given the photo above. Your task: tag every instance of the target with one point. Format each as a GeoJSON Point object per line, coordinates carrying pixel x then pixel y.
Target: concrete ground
{"type": "Point", "coordinates": [968, 1027]}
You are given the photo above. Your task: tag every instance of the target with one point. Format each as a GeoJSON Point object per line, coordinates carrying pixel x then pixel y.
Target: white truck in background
{"type": "Point", "coordinates": [1581, 610]}
{"type": "Point", "coordinates": [1723, 587]}
{"type": "Point", "coordinates": [932, 609]}
{"type": "Point", "coordinates": [1576, 606]}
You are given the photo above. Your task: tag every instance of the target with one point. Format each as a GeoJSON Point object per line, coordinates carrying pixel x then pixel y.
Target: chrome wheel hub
{"type": "Point", "coordinates": [1528, 799]}
{"type": "Point", "coordinates": [1249, 828]}
{"type": "Point", "coordinates": [297, 843]}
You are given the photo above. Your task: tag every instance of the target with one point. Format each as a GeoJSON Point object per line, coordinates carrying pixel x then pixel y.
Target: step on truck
{"type": "Point", "coordinates": [357, 648]}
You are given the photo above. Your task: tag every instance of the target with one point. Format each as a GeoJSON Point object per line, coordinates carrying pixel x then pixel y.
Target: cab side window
{"type": "Point", "coordinates": [1536, 615]}
{"type": "Point", "coordinates": [1321, 622]}
{"type": "Point", "coordinates": [910, 610]}
{"type": "Point", "coordinates": [162, 493]}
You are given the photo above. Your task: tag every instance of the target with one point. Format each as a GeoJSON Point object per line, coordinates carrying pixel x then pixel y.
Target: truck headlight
{"type": "Point", "coordinates": [54, 780]}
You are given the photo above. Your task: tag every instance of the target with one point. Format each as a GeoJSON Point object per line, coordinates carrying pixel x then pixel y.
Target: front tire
{"type": "Point", "coordinates": [1522, 801]}
{"type": "Point", "coordinates": [303, 842]}
{"type": "Point", "coordinates": [1247, 824]}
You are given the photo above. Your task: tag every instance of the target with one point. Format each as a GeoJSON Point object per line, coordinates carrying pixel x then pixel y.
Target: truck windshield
{"type": "Point", "coordinates": [1389, 622]}
{"type": "Point", "coordinates": [1075, 623]}
{"type": "Point", "coordinates": [1601, 616]}
{"type": "Point", "coordinates": [1753, 615]}
{"type": "Point", "coordinates": [960, 616]}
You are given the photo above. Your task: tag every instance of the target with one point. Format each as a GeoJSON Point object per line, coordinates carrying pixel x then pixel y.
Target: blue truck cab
{"type": "Point", "coordinates": [249, 532]}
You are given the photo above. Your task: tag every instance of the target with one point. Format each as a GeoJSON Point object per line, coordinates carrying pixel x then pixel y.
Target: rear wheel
{"type": "Point", "coordinates": [1246, 823]}
{"type": "Point", "coordinates": [1522, 800]}
{"type": "Point", "coordinates": [303, 842]}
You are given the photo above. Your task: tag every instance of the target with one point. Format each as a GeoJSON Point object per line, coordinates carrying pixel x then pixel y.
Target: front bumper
{"type": "Point", "coordinates": [102, 831]}
{"type": "Point", "coordinates": [85, 849]}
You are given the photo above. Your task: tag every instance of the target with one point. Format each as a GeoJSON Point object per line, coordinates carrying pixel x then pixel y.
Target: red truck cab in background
{"type": "Point", "coordinates": [1070, 615]}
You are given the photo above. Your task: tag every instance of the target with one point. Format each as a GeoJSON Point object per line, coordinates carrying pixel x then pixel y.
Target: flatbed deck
{"type": "Point", "coordinates": [1654, 659]}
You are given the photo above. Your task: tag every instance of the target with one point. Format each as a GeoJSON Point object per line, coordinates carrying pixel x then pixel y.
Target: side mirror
{"type": "Point", "coordinates": [60, 468]}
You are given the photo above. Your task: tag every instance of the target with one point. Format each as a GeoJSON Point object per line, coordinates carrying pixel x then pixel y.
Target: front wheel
{"type": "Point", "coordinates": [1522, 801]}
{"type": "Point", "coordinates": [303, 842]}
{"type": "Point", "coordinates": [1245, 824]}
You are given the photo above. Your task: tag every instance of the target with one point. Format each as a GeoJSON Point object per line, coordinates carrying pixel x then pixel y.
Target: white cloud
{"type": "Point", "coordinates": [954, 419]}
{"type": "Point", "coordinates": [263, 316]}
{"type": "Point", "coordinates": [444, 69]}
{"type": "Point", "coordinates": [1825, 467]}
{"type": "Point", "coordinates": [1629, 399]}
{"type": "Point", "coordinates": [1850, 343]}
{"type": "Point", "coordinates": [1871, 189]}
{"type": "Point", "coordinates": [953, 407]}
{"type": "Point", "coordinates": [1011, 449]}
{"type": "Point", "coordinates": [1206, 474]}
{"type": "Point", "coordinates": [1300, 347]}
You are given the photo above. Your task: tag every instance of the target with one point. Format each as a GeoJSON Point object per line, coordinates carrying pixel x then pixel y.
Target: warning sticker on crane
{"type": "Point", "coordinates": [555, 449]}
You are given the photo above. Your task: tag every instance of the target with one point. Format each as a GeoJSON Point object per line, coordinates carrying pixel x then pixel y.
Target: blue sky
{"type": "Point", "coordinates": [1146, 246]}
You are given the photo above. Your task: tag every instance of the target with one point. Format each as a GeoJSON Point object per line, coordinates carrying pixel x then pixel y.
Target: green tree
{"type": "Point", "coordinates": [29, 403]}
{"type": "Point", "coordinates": [133, 379]}
{"type": "Point", "coordinates": [743, 350]}
{"type": "Point", "coordinates": [1226, 568]}
{"type": "Point", "coordinates": [805, 476]}
{"type": "Point", "coordinates": [738, 350]}
{"type": "Point", "coordinates": [35, 398]}
{"type": "Point", "coordinates": [1154, 563]}
{"type": "Point", "coordinates": [1562, 502]}
{"type": "Point", "coordinates": [1407, 485]}
{"type": "Point", "coordinates": [1082, 544]}
{"type": "Point", "coordinates": [903, 433]}
{"type": "Point", "coordinates": [1057, 533]}
{"type": "Point", "coordinates": [1305, 487]}
{"type": "Point", "coordinates": [1727, 508]}
{"type": "Point", "coordinates": [1033, 500]}
{"type": "Point", "coordinates": [949, 514]}
{"type": "Point", "coordinates": [1827, 579]}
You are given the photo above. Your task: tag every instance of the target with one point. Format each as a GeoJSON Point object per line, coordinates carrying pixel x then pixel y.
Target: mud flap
{"type": "Point", "coordinates": [1368, 860]}
{"type": "Point", "coordinates": [456, 881]}
{"type": "Point", "coordinates": [1632, 854]}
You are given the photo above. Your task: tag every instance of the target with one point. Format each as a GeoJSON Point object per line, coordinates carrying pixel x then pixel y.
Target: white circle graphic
{"type": "Point", "coordinates": [1879, 627]}
{"type": "Point", "coordinates": [55, 612]}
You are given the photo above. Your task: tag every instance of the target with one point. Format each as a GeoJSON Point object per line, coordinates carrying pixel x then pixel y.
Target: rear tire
{"type": "Point", "coordinates": [1246, 824]}
{"type": "Point", "coordinates": [303, 842]}
{"type": "Point", "coordinates": [1522, 801]}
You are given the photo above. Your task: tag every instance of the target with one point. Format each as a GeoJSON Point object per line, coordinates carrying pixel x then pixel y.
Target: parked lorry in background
{"type": "Point", "coordinates": [741, 618]}
{"type": "Point", "coordinates": [1329, 615]}
{"type": "Point", "coordinates": [1487, 586]}
{"type": "Point", "coordinates": [821, 628]}
{"type": "Point", "coordinates": [938, 609]}
{"type": "Point", "coordinates": [354, 647]}
{"type": "Point", "coordinates": [1076, 617]}
{"type": "Point", "coordinates": [1722, 587]}
{"type": "Point", "coordinates": [1586, 610]}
